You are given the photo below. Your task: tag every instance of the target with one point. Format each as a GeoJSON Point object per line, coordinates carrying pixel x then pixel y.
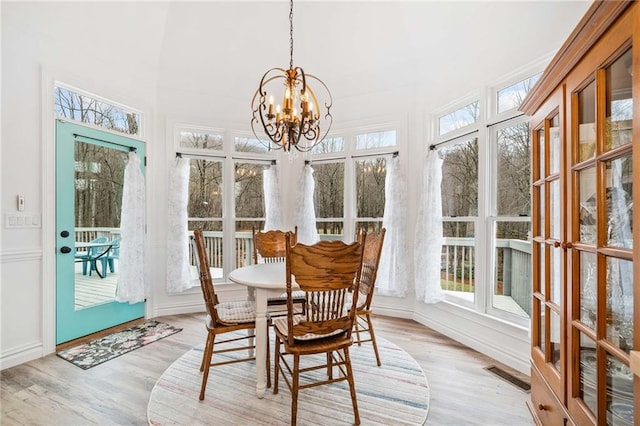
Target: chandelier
{"type": "Point", "coordinates": [297, 121]}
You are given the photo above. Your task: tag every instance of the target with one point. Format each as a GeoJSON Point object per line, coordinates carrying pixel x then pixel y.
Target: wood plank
{"type": "Point", "coordinates": [51, 390]}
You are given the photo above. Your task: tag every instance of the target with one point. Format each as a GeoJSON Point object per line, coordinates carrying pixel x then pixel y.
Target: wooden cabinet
{"type": "Point", "coordinates": [585, 121]}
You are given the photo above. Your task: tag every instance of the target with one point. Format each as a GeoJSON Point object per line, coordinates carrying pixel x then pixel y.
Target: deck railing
{"type": "Point", "coordinates": [457, 268]}
{"type": "Point", "coordinates": [513, 269]}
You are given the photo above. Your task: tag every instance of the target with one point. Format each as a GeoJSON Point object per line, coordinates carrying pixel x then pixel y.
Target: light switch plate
{"type": "Point", "coordinates": [21, 220]}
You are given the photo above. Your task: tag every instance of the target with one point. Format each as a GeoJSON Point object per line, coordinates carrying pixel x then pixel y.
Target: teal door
{"type": "Point", "coordinates": [89, 179]}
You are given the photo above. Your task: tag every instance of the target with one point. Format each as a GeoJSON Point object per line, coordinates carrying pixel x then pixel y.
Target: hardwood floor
{"type": "Point", "coordinates": [53, 391]}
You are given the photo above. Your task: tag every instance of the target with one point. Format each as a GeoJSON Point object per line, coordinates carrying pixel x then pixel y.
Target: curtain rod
{"type": "Point", "coordinates": [435, 145]}
{"type": "Point", "coordinates": [131, 148]}
{"type": "Point", "coordinates": [393, 154]}
{"type": "Point", "coordinates": [200, 155]}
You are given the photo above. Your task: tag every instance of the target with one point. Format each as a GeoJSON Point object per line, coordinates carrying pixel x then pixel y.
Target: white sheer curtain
{"type": "Point", "coordinates": [178, 266]}
{"type": "Point", "coordinates": [272, 199]}
{"type": "Point", "coordinates": [393, 271]}
{"type": "Point", "coordinates": [131, 282]}
{"type": "Point", "coordinates": [428, 253]}
{"type": "Point", "coordinates": [306, 213]}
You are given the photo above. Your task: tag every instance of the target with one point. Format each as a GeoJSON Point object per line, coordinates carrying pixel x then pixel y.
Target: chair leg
{"type": "Point", "coordinates": [295, 389]}
{"type": "Point", "coordinates": [204, 353]}
{"type": "Point", "coordinates": [84, 267]}
{"type": "Point", "coordinates": [352, 386]}
{"type": "Point", "coordinates": [104, 262]}
{"type": "Point", "coordinates": [268, 360]}
{"type": "Point", "coordinates": [373, 339]}
{"type": "Point", "coordinates": [208, 354]}
{"type": "Point", "coordinates": [357, 330]}
{"type": "Point", "coordinates": [276, 364]}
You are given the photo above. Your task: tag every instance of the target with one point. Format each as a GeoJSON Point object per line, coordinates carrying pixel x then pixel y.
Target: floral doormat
{"type": "Point", "coordinates": [97, 351]}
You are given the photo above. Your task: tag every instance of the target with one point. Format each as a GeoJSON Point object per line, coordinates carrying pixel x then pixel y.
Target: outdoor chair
{"type": "Point", "coordinates": [89, 257]}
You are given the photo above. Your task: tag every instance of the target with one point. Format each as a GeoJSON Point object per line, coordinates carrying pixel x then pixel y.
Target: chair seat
{"type": "Point", "coordinates": [282, 327]}
{"type": "Point", "coordinates": [236, 312]}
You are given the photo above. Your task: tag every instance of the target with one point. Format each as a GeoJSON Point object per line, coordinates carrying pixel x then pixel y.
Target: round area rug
{"type": "Point", "coordinates": [396, 393]}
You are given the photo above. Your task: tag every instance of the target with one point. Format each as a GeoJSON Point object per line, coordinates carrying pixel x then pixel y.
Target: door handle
{"type": "Point", "coordinates": [65, 249]}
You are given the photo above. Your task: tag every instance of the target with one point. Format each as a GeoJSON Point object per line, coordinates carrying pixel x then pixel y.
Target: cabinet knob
{"type": "Point", "coordinates": [542, 407]}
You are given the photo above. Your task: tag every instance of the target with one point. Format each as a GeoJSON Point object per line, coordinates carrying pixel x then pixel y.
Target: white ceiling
{"type": "Point", "coordinates": [444, 49]}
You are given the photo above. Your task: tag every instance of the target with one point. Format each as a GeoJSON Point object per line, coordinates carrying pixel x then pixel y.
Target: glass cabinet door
{"type": "Point", "coordinates": [548, 248]}
{"type": "Point", "coordinates": [602, 313]}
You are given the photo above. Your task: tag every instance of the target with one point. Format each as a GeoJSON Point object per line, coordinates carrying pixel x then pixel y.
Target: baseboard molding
{"type": "Point", "coordinates": [177, 309]}
{"type": "Point", "coordinates": [21, 354]}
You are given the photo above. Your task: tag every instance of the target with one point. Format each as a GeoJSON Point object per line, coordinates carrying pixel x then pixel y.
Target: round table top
{"type": "Point", "coordinates": [261, 275]}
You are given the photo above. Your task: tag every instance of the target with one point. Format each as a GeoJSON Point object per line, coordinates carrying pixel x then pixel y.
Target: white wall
{"type": "Point", "coordinates": [167, 60]}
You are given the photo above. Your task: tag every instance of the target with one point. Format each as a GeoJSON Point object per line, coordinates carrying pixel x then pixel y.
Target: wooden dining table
{"type": "Point", "coordinates": [262, 281]}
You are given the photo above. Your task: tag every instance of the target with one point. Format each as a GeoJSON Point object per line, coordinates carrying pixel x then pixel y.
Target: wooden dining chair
{"type": "Point", "coordinates": [326, 272]}
{"type": "Point", "coordinates": [363, 325]}
{"type": "Point", "coordinates": [269, 246]}
{"type": "Point", "coordinates": [223, 317]}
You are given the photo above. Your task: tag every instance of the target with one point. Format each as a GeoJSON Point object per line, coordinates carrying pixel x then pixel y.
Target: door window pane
{"type": "Point", "coordinates": [620, 303]}
{"type": "Point", "coordinates": [512, 285]}
{"type": "Point", "coordinates": [249, 196]}
{"type": "Point", "coordinates": [587, 122]}
{"type": "Point", "coordinates": [619, 393]}
{"type": "Point", "coordinates": [85, 108]}
{"type": "Point", "coordinates": [588, 206]}
{"type": "Point", "coordinates": [99, 179]}
{"type": "Point", "coordinates": [588, 295]}
{"type": "Point", "coordinates": [619, 180]}
{"type": "Point", "coordinates": [555, 340]}
{"type": "Point", "coordinates": [513, 171]}
{"type": "Point", "coordinates": [554, 214]}
{"type": "Point", "coordinates": [619, 102]}
{"type": "Point", "coordinates": [541, 151]}
{"type": "Point", "coordinates": [555, 269]}
{"type": "Point", "coordinates": [554, 145]}
{"type": "Point", "coordinates": [588, 376]}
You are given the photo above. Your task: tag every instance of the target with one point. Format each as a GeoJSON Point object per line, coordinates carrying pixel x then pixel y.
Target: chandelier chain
{"type": "Point", "coordinates": [291, 35]}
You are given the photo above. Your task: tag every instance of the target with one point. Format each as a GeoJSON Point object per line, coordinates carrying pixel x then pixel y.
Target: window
{"type": "Point", "coordinates": [461, 117]}
{"type": "Point", "coordinates": [214, 172]}
{"type": "Point", "coordinates": [249, 208]}
{"type": "Point", "coordinates": [486, 207]}
{"type": "Point", "coordinates": [459, 215]}
{"type": "Point", "coordinates": [357, 161]}
{"type": "Point", "coordinates": [511, 278]}
{"type": "Point", "coordinates": [247, 144]}
{"type": "Point", "coordinates": [512, 96]}
{"type": "Point", "coordinates": [370, 186]}
{"type": "Point", "coordinates": [205, 207]}
{"type": "Point", "coordinates": [76, 105]}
